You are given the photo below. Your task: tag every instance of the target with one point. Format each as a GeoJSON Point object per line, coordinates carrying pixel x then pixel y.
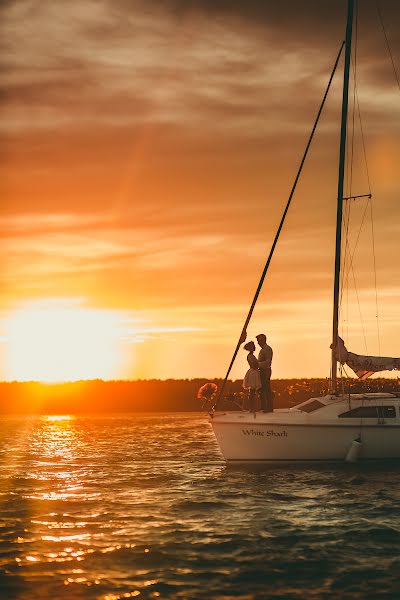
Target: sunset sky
{"type": "Point", "coordinates": [147, 152]}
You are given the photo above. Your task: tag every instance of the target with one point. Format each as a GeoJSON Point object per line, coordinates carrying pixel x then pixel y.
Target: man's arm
{"type": "Point", "coordinates": [265, 358]}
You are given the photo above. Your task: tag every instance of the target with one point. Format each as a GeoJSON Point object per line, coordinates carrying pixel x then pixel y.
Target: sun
{"type": "Point", "coordinates": [54, 342]}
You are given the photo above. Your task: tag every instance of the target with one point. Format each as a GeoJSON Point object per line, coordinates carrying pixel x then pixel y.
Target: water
{"type": "Point", "coordinates": [143, 506]}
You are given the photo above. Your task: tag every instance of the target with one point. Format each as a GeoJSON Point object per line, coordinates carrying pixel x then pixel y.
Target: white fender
{"type": "Point", "coordinates": [354, 451]}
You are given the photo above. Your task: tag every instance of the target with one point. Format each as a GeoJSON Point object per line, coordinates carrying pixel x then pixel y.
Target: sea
{"type": "Point", "coordinates": [143, 506]}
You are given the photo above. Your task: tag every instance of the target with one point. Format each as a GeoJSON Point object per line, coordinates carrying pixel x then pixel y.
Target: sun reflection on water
{"type": "Point", "coordinates": [57, 439]}
{"type": "Point", "coordinates": [54, 418]}
{"type": "Point", "coordinates": [86, 507]}
{"type": "Point", "coordinates": [59, 475]}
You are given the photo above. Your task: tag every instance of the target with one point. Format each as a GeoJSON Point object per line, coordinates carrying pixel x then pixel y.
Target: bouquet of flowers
{"type": "Point", "coordinates": [207, 392]}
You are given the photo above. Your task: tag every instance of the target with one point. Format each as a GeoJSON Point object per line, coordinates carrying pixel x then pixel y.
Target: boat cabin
{"type": "Point", "coordinates": [381, 406]}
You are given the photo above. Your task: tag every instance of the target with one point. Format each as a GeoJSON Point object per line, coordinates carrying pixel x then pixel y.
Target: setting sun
{"type": "Point", "coordinates": [52, 342]}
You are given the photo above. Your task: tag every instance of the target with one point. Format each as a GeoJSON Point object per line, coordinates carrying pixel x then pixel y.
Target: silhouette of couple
{"type": "Point", "coordinates": [258, 377]}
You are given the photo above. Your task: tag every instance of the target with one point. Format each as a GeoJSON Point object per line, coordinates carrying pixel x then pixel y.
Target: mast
{"type": "Point", "coordinates": [342, 160]}
{"type": "Point", "coordinates": [266, 267]}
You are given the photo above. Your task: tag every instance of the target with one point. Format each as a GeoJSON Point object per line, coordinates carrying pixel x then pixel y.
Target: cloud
{"type": "Point", "coordinates": [130, 64]}
{"type": "Point", "coordinates": [148, 149]}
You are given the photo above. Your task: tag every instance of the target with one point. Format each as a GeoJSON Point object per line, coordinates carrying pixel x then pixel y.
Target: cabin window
{"type": "Point", "coordinates": [311, 406]}
{"type": "Point", "coordinates": [370, 412]}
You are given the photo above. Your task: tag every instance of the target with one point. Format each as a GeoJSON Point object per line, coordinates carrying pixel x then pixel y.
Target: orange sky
{"type": "Point", "coordinates": [148, 149]}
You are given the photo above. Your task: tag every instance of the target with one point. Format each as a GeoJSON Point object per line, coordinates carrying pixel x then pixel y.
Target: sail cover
{"type": "Point", "coordinates": [365, 366]}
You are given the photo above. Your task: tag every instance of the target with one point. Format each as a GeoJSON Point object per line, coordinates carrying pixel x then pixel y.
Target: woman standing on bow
{"type": "Point", "coordinates": [252, 379]}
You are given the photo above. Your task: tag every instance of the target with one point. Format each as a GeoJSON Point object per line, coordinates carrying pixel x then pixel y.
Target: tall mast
{"type": "Point", "coordinates": [342, 160]}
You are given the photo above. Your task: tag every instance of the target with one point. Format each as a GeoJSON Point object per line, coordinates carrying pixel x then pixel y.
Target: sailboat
{"type": "Point", "coordinates": [336, 427]}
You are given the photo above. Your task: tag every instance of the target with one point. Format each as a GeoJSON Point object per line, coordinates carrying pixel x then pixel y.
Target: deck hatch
{"type": "Point", "coordinates": [311, 406]}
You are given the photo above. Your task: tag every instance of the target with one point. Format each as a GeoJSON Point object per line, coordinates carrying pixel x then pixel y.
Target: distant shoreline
{"type": "Point", "coordinates": [154, 395]}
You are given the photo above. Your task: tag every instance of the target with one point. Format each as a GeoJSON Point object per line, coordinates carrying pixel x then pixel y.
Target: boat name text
{"type": "Point", "coordinates": [267, 433]}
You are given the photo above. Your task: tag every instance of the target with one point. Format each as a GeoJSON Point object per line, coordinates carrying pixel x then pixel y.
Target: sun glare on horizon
{"type": "Point", "coordinates": [53, 342]}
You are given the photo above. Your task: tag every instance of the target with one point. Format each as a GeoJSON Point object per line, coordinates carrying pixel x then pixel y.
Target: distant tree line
{"type": "Point", "coordinates": [97, 396]}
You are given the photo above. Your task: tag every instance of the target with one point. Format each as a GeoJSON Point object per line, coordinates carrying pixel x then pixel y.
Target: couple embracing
{"type": "Point", "coordinates": [258, 377]}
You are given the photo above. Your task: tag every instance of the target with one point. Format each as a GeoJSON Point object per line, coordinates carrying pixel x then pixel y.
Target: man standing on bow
{"type": "Point", "coordinates": [264, 365]}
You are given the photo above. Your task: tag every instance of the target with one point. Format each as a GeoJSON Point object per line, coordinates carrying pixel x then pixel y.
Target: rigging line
{"type": "Point", "coordinates": [351, 153]}
{"type": "Point", "coordinates": [346, 223]}
{"type": "Point", "coordinates": [387, 43]}
{"type": "Point", "coordinates": [370, 203]}
{"type": "Point", "coordinates": [345, 216]}
{"type": "Point", "coordinates": [363, 142]}
{"type": "Point", "coordinates": [372, 222]}
{"type": "Point", "coordinates": [355, 245]}
{"type": "Point", "coordinates": [359, 310]}
{"type": "Point", "coordinates": [348, 379]}
{"type": "Point", "coordinates": [264, 273]}
{"type": "Point", "coordinates": [376, 287]}
{"type": "Point", "coordinates": [345, 266]}
{"type": "Point", "coordinates": [354, 62]}
{"type": "Point", "coordinates": [354, 97]}
{"type": "Point", "coordinates": [347, 253]}
{"type": "Point", "coordinates": [347, 287]}
{"type": "Point", "coordinates": [349, 163]}
{"type": "Point", "coordinates": [347, 312]}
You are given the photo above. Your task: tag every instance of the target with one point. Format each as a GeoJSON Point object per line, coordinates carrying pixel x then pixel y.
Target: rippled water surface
{"type": "Point", "coordinates": [143, 506]}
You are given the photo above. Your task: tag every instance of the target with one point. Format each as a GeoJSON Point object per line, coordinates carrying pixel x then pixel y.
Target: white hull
{"type": "Point", "coordinates": [287, 436]}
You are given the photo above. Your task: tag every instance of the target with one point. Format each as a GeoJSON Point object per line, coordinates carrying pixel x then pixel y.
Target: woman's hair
{"type": "Point", "coordinates": [249, 346]}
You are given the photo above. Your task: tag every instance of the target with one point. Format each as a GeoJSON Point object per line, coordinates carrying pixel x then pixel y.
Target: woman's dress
{"type": "Point", "coordinates": [252, 379]}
